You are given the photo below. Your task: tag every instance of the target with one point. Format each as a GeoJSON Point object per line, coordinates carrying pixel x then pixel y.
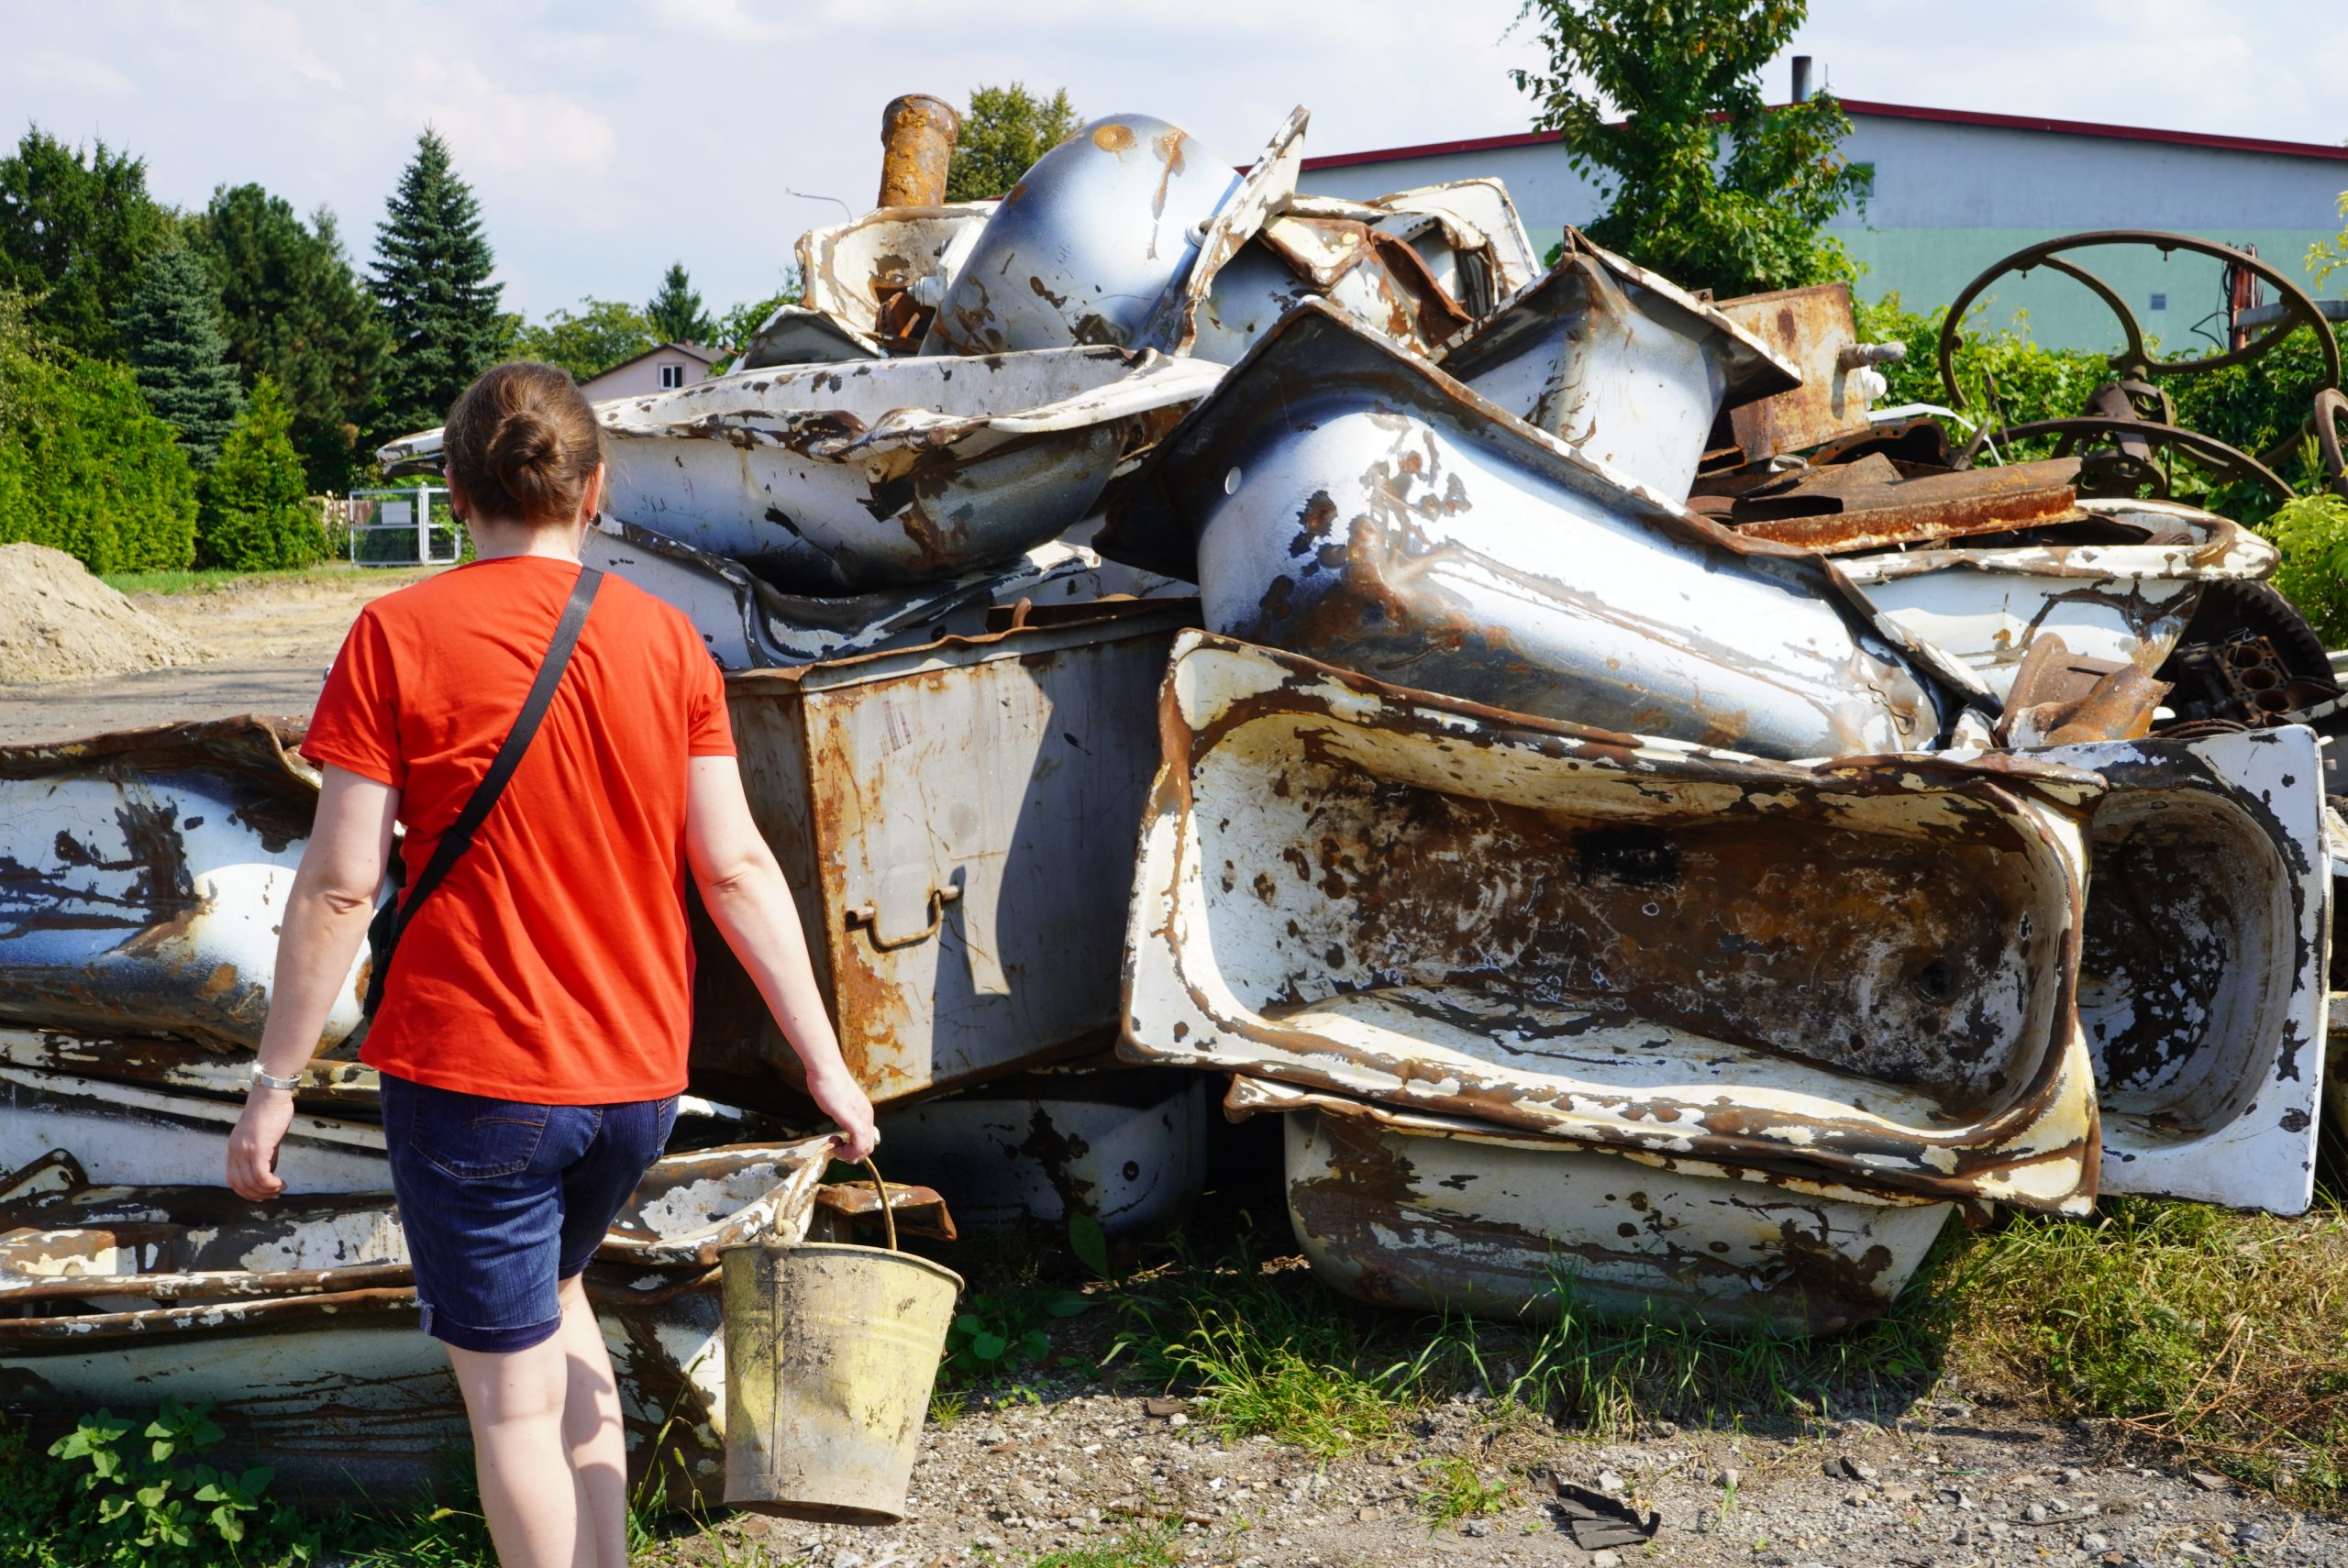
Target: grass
{"type": "Point", "coordinates": [188, 581]}
{"type": "Point", "coordinates": [1456, 1490]}
{"type": "Point", "coordinates": [2190, 1332]}
{"type": "Point", "coordinates": [1141, 1544]}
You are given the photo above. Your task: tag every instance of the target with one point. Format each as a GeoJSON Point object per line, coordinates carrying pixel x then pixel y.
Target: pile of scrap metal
{"type": "Point", "coordinates": [1657, 834]}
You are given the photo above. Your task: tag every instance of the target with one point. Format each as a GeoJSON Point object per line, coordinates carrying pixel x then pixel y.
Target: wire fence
{"type": "Point", "coordinates": [395, 527]}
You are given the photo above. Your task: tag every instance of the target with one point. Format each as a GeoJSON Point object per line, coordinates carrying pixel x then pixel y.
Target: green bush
{"type": "Point", "coordinates": [257, 512]}
{"type": "Point", "coordinates": [2313, 534]}
{"type": "Point", "coordinates": [85, 467]}
{"type": "Point", "coordinates": [2006, 378]}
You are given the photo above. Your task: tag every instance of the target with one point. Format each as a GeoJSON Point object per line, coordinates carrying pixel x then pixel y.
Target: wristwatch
{"type": "Point", "coordinates": [270, 1080]}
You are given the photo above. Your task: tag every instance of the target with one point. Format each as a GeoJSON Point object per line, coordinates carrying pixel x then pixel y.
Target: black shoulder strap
{"type": "Point", "coordinates": [459, 837]}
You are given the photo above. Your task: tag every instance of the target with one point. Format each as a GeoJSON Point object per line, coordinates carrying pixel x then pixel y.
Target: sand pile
{"type": "Point", "coordinates": [58, 622]}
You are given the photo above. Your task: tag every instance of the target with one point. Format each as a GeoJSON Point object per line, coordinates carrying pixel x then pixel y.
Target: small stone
{"type": "Point", "coordinates": [1610, 1482]}
{"type": "Point", "coordinates": [2250, 1533]}
{"type": "Point", "coordinates": [1856, 1499]}
{"type": "Point", "coordinates": [1178, 1420]}
{"type": "Point", "coordinates": [1731, 1478]}
{"type": "Point", "coordinates": [2034, 1514]}
{"type": "Point", "coordinates": [1474, 1528]}
{"type": "Point", "coordinates": [2207, 1481]}
{"type": "Point", "coordinates": [1956, 1497]}
{"type": "Point", "coordinates": [1605, 1560]}
{"type": "Point", "coordinates": [986, 1543]}
{"type": "Point", "coordinates": [1162, 1408]}
{"type": "Point", "coordinates": [2000, 1530]}
{"type": "Point", "coordinates": [848, 1559]}
{"type": "Point", "coordinates": [1963, 1535]}
{"type": "Point", "coordinates": [1858, 1470]}
{"type": "Point", "coordinates": [1899, 1494]}
{"type": "Point", "coordinates": [754, 1526]}
{"type": "Point", "coordinates": [2073, 1477]}
{"type": "Point", "coordinates": [2092, 1542]}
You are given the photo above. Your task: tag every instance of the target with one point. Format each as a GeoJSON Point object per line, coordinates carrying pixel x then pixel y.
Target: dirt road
{"type": "Point", "coordinates": [272, 639]}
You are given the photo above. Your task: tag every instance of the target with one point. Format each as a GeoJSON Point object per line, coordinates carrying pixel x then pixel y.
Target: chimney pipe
{"type": "Point", "coordinates": [917, 137]}
{"type": "Point", "coordinates": [1801, 79]}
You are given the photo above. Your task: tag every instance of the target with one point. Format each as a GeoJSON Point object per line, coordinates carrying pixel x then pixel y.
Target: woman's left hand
{"type": "Point", "coordinates": [252, 1148]}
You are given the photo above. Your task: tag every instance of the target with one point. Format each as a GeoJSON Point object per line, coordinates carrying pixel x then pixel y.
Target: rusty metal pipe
{"type": "Point", "coordinates": [917, 137]}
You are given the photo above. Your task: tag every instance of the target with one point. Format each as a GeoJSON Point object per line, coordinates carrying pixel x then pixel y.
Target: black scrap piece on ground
{"type": "Point", "coordinates": [1597, 1522]}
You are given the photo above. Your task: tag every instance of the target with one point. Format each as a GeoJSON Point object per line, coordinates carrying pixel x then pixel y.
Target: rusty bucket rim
{"type": "Point", "coordinates": [771, 1246]}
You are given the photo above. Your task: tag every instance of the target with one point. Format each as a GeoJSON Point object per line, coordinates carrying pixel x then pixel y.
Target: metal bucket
{"type": "Point", "coordinates": [831, 1351]}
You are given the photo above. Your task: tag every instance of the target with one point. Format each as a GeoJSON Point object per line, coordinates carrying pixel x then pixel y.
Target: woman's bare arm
{"type": "Point", "coordinates": [326, 920]}
{"type": "Point", "coordinates": [743, 888]}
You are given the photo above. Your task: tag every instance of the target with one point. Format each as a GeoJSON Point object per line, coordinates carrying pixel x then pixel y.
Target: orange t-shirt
{"type": "Point", "coordinates": [554, 963]}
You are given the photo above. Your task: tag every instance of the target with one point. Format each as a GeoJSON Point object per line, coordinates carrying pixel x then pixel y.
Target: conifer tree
{"type": "Point", "coordinates": [675, 313]}
{"type": "Point", "coordinates": [75, 230]}
{"type": "Point", "coordinates": [256, 514]}
{"type": "Point", "coordinates": [431, 279]}
{"type": "Point", "coordinates": [171, 333]}
{"type": "Point", "coordinates": [295, 310]}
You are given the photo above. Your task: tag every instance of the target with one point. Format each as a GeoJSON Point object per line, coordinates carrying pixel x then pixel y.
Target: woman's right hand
{"type": "Point", "coordinates": [843, 1100]}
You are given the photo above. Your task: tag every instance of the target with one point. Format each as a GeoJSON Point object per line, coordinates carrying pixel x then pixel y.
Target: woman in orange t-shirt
{"type": "Point", "coordinates": [532, 1036]}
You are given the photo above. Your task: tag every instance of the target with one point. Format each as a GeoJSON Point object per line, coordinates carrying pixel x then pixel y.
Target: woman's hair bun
{"type": "Point", "coordinates": [522, 444]}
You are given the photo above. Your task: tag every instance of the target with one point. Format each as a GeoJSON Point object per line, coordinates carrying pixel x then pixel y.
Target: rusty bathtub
{"type": "Point", "coordinates": [1857, 973]}
{"type": "Point", "coordinates": [835, 479]}
{"type": "Point", "coordinates": [1345, 500]}
{"type": "Point", "coordinates": [139, 877]}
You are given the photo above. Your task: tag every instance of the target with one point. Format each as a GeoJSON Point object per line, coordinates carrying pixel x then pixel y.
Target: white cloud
{"type": "Point", "coordinates": [54, 69]}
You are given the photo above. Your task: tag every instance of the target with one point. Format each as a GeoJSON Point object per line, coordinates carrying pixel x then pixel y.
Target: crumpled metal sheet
{"type": "Point", "coordinates": [1815, 330]}
{"type": "Point", "coordinates": [1405, 1209]}
{"type": "Point", "coordinates": [1619, 363]}
{"type": "Point", "coordinates": [956, 820]}
{"type": "Point", "coordinates": [842, 478]}
{"type": "Point", "coordinates": [328, 1381]}
{"type": "Point", "coordinates": [2202, 985]}
{"type": "Point", "coordinates": [2118, 598]}
{"type": "Point", "coordinates": [1626, 941]}
{"type": "Point", "coordinates": [142, 875]}
{"type": "Point", "coordinates": [750, 624]}
{"type": "Point", "coordinates": [1341, 498]}
{"type": "Point", "coordinates": [850, 272]}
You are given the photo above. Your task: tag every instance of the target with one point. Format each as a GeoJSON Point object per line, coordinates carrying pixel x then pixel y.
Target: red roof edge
{"type": "Point", "coordinates": [1863, 107]}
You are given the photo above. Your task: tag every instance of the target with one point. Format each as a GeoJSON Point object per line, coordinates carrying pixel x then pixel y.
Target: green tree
{"type": "Point", "coordinates": [85, 467]}
{"type": "Point", "coordinates": [172, 332]}
{"type": "Point", "coordinates": [1681, 75]}
{"type": "Point", "coordinates": [74, 233]}
{"type": "Point", "coordinates": [602, 334]}
{"type": "Point", "coordinates": [2326, 257]}
{"type": "Point", "coordinates": [1003, 132]}
{"type": "Point", "coordinates": [297, 312]}
{"type": "Point", "coordinates": [257, 513]}
{"type": "Point", "coordinates": [431, 278]}
{"type": "Point", "coordinates": [733, 329]}
{"type": "Point", "coordinates": [674, 313]}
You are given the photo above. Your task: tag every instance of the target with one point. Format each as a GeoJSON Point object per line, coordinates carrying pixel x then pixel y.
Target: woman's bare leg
{"type": "Point", "coordinates": [593, 1432]}
{"type": "Point", "coordinates": [515, 1402]}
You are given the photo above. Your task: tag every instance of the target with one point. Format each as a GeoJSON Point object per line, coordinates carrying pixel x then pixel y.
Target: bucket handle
{"type": "Point", "coordinates": [887, 1216]}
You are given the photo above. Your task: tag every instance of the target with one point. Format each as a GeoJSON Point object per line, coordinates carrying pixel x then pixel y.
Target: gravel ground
{"type": "Point", "coordinates": [1952, 1482]}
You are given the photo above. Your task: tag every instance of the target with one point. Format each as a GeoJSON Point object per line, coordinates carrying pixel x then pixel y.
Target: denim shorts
{"type": "Point", "coordinates": [501, 1199]}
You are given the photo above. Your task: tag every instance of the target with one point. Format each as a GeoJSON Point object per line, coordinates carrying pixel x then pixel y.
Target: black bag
{"type": "Point", "coordinates": [383, 931]}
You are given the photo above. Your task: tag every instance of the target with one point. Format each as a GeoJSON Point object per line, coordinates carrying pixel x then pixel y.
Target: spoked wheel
{"type": "Point", "coordinates": [2131, 419]}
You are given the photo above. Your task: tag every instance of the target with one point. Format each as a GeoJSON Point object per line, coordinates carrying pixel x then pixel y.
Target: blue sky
{"type": "Point", "coordinates": [607, 139]}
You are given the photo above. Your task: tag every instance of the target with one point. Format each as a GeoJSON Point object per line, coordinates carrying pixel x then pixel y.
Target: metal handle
{"type": "Point", "coordinates": [867, 915]}
{"type": "Point", "coordinates": [887, 1216]}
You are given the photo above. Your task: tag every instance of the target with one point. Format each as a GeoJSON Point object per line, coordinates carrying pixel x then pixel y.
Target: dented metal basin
{"type": "Point", "coordinates": [1126, 1146]}
{"type": "Point", "coordinates": [1402, 1208]}
{"type": "Point", "coordinates": [2119, 587]}
{"type": "Point", "coordinates": [1345, 500]}
{"type": "Point", "coordinates": [1087, 242]}
{"type": "Point", "coordinates": [748, 623]}
{"type": "Point", "coordinates": [145, 874]}
{"type": "Point", "coordinates": [2202, 973]}
{"type": "Point", "coordinates": [1620, 364]}
{"type": "Point", "coordinates": [844, 478]}
{"type": "Point", "coordinates": [1861, 971]}
{"type": "Point", "coordinates": [956, 822]}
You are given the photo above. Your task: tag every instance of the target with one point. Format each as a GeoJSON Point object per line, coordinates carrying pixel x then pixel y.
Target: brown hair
{"type": "Point", "coordinates": [521, 443]}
